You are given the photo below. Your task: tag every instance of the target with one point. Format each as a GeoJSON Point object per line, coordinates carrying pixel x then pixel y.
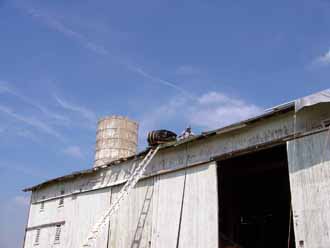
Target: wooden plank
{"type": "Point", "coordinates": [45, 225]}
{"type": "Point", "coordinates": [131, 225]}
{"type": "Point", "coordinates": [199, 228]}
{"type": "Point", "coordinates": [166, 212]}
{"type": "Point", "coordinates": [309, 167]}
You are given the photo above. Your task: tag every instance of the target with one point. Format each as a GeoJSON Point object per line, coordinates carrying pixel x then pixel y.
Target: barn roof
{"type": "Point", "coordinates": [296, 105]}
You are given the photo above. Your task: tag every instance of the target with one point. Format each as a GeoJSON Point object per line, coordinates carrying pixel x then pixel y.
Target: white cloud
{"type": "Point", "coordinates": [208, 111]}
{"type": "Point", "coordinates": [324, 59]}
{"type": "Point", "coordinates": [187, 70]}
{"type": "Point", "coordinates": [82, 111]}
{"type": "Point", "coordinates": [74, 151]}
{"type": "Point", "coordinates": [22, 200]}
{"type": "Point", "coordinates": [216, 110]}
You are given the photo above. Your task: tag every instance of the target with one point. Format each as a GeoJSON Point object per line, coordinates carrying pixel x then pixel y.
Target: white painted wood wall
{"type": "Point", "coordinates": [88, 196]}
{"type": "Point", "coordinates": [309, 167]}
{"type": "Point", "coordinates": [150, 215]}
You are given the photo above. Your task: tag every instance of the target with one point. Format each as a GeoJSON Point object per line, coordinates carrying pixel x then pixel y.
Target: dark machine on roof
{"type": "Point", "coordinates": [158, 137]}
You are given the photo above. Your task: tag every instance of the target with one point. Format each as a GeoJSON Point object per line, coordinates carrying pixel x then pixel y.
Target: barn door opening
{"type": "Point", "coordinates": [254, 200]}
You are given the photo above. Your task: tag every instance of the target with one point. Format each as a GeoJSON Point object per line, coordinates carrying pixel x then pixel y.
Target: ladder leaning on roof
{"type": "Point", "coordinates": [129, 185]}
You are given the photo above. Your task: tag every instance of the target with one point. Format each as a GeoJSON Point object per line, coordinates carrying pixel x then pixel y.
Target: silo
{"type": "Point", "coordinates": [116, 138]}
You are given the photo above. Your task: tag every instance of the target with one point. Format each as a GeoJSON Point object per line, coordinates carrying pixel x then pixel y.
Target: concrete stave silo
{"type": "Point", "coordinates": [116, 138]}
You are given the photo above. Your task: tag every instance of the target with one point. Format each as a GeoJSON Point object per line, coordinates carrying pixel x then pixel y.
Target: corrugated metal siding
{"type": "Point", "coordinates": [309, 166]}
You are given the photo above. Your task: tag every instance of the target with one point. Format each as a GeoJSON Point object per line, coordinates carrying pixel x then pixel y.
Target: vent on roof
{"type": "Point", "coordinates": [42, 204]}
{"type": "Point", "coordinates": [37, 238]}
{"type": "Point", "coordinates": [61, 202]}
{"type": "Point", "coordinates": [326, 123]}
{"type": "Point", "coordinates": [57, 234]}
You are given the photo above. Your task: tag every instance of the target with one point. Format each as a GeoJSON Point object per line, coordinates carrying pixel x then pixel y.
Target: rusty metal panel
{"type": "Point", "coordinates": [309, 167]}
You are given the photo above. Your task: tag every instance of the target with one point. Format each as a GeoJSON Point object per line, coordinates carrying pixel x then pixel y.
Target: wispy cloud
{"type": "Point", "coordinates": [23, 169]}
{"type": "Point", "coordinates": [74, 151]}
{"type": "Point", "coordinates": [2, 130]}
{"type": "Point", "coordinates": [55, 24]}
{"type": "Point", "coordinates": [161, 81]}
{"type": "Point", "coordinates": [87, 114]}
{"type": "Point", "coordinates": [187, 70]}
{"type": "Point", "coordinates": [58, 26]}
{"type": "Point", "coordinates": [208, 111]}
{"type": "Point", "coordinates": [33, 122]}
{"type": "Point", "coordinates": [22, 200]}
{"type": "Point", "coordinates": [7, 88]}
{"type": "Point", "coordinates": [324, 59]}
{"type": "Point", "coordinates": [28, 134]}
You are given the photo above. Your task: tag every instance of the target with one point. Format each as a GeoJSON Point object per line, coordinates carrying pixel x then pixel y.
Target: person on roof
{"type": "Point", "coordinates": [187, 133]}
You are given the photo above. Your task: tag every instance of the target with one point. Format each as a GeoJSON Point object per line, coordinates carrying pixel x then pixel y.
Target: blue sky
{"type": "Point", "coordinates": [166, 64]}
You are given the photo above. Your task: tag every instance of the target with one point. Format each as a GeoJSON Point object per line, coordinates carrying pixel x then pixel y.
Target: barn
{"type": "Point", "coordinates": [262, 182]}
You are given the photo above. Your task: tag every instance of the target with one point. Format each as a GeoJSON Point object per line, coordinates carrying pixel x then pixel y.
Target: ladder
{"type": "Point", "coordinates": [129, 185]}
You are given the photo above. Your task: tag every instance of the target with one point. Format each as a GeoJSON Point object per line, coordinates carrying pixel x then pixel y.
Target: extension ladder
{"type": "Point", "coordinates": [129, 185]}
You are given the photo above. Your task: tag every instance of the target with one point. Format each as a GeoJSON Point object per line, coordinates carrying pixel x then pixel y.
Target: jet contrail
{"type": "Point", "coordinates": [58, 26]}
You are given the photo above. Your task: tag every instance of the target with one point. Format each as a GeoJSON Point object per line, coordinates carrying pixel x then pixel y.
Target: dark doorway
{"type": "Point", "coordinates": [254, 200]}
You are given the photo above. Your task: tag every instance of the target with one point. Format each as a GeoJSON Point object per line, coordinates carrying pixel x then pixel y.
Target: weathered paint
{"type": "Point", "coordinates": [199, 227]}
{"type": "Point", "coordinates": [79, 212]}
{"type": "Point", "coordinates": [151, 214]}
{"type": "Point", "coordinates": [92, 192]}
{"type": "Point", "coordinates": [175, 158]}
{"type": "Point", "coordinates": [131, 226]}
{"type": "Point", "coordinates": [309, 167]}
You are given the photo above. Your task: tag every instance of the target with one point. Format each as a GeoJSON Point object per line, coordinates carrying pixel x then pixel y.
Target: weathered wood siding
{"type": "Point", "coordinates": [178, 157]}
{"type": "Point", "coordinates": [150, 216]}
{"type": "Point", "coordinates": [79, 212]}
{"type": "Point", "coordinates": [87, 196]}
{"type": "Point", "coordinates": [309, 166]}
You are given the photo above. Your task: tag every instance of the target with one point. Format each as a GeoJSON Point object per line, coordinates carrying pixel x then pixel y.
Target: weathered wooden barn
{"type": "Point", "coordinates": [263, 182]}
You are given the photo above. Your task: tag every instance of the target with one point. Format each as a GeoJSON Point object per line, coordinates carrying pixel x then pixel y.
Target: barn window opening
{"type": "Point", "coordinates": [37, 237]}
{"type": "Point", "coordinates": [61, 201]}
{"type": "Point", "coordinates": [255, 201]}
{"type": "Point", "coordinates": [42, 204]}
{"type": "Point", "coordinates": [57, 234]}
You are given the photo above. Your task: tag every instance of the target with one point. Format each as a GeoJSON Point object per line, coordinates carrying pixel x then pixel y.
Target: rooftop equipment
{"type": "Point", "coordinates": [160, 137]}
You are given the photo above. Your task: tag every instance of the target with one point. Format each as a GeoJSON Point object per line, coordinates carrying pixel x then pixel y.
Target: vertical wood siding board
{"type": "Point", "coordinates": [168, 195]}
{"type": "Point", "coordinates": [310, 187]}
{"type": "Point", "coordinates": [200, 214]}
{"type": "Point", "coordinates": [125, 224]}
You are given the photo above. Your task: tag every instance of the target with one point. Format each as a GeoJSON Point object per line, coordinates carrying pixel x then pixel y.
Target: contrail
{"type": "Point", "coordinates": [58, 26]}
